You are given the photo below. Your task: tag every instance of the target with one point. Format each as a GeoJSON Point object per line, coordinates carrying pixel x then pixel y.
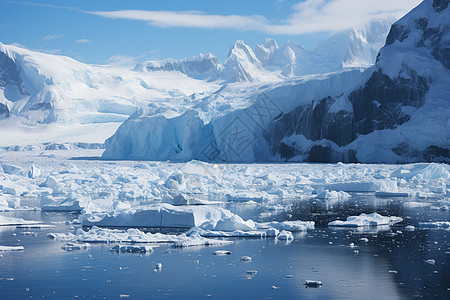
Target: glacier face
{"type": "Point", "coordinates": [395, 111]}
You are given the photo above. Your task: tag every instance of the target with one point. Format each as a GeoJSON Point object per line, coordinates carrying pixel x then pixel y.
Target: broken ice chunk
{"type": "Point", "coordinates": [222, 252]}
{"type": "Point", "coordinates": [246, 259]}
{"type": "Point", "coordinates": [372, 219]}
{"type": "Point", "coordinates": [313, 283]}
{"type": "Point", "coordinates": [129, 248]}
{"type": "Point", "coordinates": [75, 246]}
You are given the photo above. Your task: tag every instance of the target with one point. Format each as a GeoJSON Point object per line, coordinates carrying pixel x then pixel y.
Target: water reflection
{"type": "Point", "coordinates": [353, 263]}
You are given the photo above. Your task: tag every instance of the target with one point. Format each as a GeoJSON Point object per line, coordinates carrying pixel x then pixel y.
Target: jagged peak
{"type": "Point", "coordinates": [270, 43]}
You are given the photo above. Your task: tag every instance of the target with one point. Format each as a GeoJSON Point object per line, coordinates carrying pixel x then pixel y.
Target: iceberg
{"type": "Point", "coordinates": [372, 219]}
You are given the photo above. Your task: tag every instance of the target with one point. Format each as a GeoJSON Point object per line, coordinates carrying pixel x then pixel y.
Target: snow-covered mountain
{"type": "Point", "coordinates": [48, 98]}
{"type": "Point", "coordinates": [42, 89]}
{"type": "Point", "coordinates": [356, 47]}
{"type": "Point", "coordinates": [396, 111]}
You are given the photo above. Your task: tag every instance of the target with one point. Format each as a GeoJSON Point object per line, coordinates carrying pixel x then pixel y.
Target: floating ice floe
{"type": "Point", "coordinates": [312, 283]}
{"type": "Point", "coordinates": [158, 215]}
{"type": "Point", "coordinates": [246, 259]}
{"type": "Point", "coordinates": [222, 252]}
{"type": "Point", "coordinates": [11, 248]}
{"type": "Point", "coordinates": [75, 246]}
{"type": "Point", "coordinates": [129, 248]}
{"type": "Point", "coordinates": [372, 219]}
{"type": "Point", "coordinates": [287, 225]}
{"type": "Point", "coordinates": [231, 223]}
{"type": "Point", "coordinates": [132, 235]}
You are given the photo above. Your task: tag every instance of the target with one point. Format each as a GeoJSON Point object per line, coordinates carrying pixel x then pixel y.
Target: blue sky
{"type": "Point", "coordinates": [124, 32]}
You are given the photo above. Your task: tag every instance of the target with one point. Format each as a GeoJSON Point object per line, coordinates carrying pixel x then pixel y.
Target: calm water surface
{"type": "Point", "coordinates": [391, 265]}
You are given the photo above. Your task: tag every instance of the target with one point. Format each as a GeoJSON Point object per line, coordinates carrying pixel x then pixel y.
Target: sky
{"type": "Point", "coordinates": [126, 32]}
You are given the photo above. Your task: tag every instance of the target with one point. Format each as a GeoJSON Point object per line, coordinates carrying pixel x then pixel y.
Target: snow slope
{"type": "Point", "coordinates": [41, 89]}
{"type": "Point", "coordinates": [396, 111]}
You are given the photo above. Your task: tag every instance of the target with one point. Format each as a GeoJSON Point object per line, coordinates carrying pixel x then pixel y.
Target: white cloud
{"type": "Point", "coordinates": [192, 19]}
{"type": "Point", "coordinates": [53, 37]}
{"type": "Point", "coordinates": [83, 41]}
{"type": "Point", "coordinates": [309, 16]}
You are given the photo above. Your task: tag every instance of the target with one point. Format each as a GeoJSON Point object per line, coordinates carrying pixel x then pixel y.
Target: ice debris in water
{"type": "Point", "coordinates": [75, 246]}
{"type": "Point", "coordinates": [372, 219]}
{"type": "Point", "coordinates": [246, 259]}
{"type": "Point", "coordinates": [430, 261]}
{"type": "Point", "coordinates": [130, 248]}
{"type": "Point", "coordinates": [132, 235]}
{"type": "Point", "coordinates": [312, 283]}
{"type": "Point", "coordinates": [222, 252]}
{"type": "Point", "coordinates": [410, 228]}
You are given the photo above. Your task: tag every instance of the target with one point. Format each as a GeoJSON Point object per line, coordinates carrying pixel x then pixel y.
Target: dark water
{"type": "Point", "coordinates": [389, 266]}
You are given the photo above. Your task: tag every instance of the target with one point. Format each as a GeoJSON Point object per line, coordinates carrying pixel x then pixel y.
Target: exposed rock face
{"type": "Point", "coordinates": [378, 105]}
{"type": "Point", "coordinates": [384, 102]}
{"type": "Point", "coordinates": [315, 122]}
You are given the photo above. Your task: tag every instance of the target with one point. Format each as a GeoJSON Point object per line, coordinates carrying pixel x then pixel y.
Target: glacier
{"type": "Point", "coordinates": [393, 112]}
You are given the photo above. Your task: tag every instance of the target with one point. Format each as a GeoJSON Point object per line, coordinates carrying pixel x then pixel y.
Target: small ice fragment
{"type": "Point", "coordinates": [393, 271]}
{"type": "Point", "coordinates": [124, 296]}
{"type": "Point", "coordinates": [356, 252]}
{"type": "Point", "coordinates": [246, 259]}
{"type": "Point", "coordinates": [275, 287]}
{"type": "Point", "coordinates": [75, 246]}
{"type": "Point", "coordinates": [410, 228]}
{"type": "Point", "coordinates": [124, 248]}
{"type": "Point", "coordinates": [364, 239]}
{"type": "Point", "coordinates": [352, 245]}
{"type": "Point", "coordinates": [430, 261]}
{"type": "Point", "coordinates": [312, 283]}
{"type": "Point", "coordinates": [222, 252]}
{"type": "Point", "coordinates": [158, 266]}
{"type": "Point", "coordinates": [288, 276]}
